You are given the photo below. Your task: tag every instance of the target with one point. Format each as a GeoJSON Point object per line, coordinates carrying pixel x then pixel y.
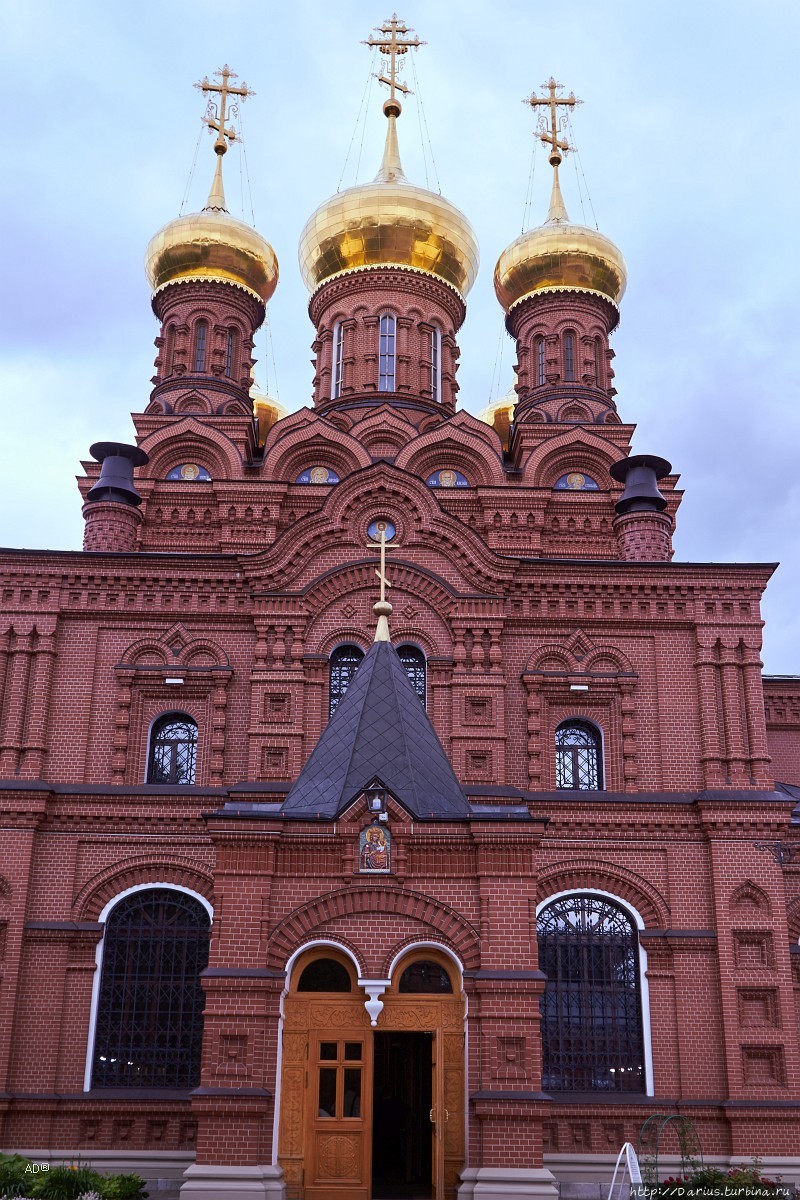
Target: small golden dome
{"type": "Point", "coordinates": [389, 222]}
{"type": "Point", "coordinates": [500, 413]}
{"type": "Point", "coordinates": [557, 255]}
{"type": "Point", "coordinates": [267, 412]}
{"type": "Point", "coordinates": [212, 245]}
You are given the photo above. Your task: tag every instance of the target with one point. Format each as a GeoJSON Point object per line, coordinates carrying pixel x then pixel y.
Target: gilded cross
{"type": "Point", "coordinates": [383, 547]}
{"type": "Point", "coordinates": [394, 40]}
{"type": "Point", "coordinates": [557, 123]}
{"type": "Point", "coordinates": [217, 115]}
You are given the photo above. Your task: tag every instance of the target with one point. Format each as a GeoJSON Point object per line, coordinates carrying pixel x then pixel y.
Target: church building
{"type": "Point", "coordinates": [386, 815]}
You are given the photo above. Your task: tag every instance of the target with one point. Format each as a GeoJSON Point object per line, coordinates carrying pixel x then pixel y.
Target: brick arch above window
{"type": "Point", "coordinates": [140, 871]}
{"type": "Point", "coordinates": [590, 873]}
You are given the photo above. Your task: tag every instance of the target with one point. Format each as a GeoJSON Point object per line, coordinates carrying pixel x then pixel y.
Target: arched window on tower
{"type": "Point", "coordinates": [338, 360]}
{"type": "Point", "coordinates": [579, 759]}
{"type": "Point", "coordinates": [413, 661]}
{"type": "Point", "coordinates": [540, 362]}
{"type": "Point", "coordinates": [200, 340]}
{"type": "Point", "coordinates": [230, 353]}
{"type": "Point", "coordinates": [569, 357]}
{"type": "Point", "coordinates": [592, 1027]}
{"type": "Point", "coordinates": [436, 365]}
{"type": "Point", "coordinates": [598, 362]}
{"type": "Point", "coordinates": [387, 356]}
{"type": "Point", "coordinates": [149, 1027]}
{"type": "Point", "coordinates": [169, 351]}
{"type": "Point", "coordinates": [344, 662]}
{"type": "Point", "coordinates": [173, 750]}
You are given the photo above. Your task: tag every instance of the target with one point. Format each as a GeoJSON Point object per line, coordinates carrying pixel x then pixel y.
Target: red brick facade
{"type": "Point", "coordinates": [224, 597]}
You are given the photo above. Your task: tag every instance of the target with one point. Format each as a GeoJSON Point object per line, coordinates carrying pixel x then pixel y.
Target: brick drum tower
{"type": "Point", "coordinates": [385, 813]}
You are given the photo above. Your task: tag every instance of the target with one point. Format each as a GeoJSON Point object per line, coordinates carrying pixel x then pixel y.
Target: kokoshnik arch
{"type": "Point", "coordinates": [318, 886]}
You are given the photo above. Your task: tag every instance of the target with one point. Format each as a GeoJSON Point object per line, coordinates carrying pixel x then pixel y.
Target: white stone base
{"type": "Point", "coordinates": [500, 1183]}
{"type": "Point", "coordinates": [205, 1182]}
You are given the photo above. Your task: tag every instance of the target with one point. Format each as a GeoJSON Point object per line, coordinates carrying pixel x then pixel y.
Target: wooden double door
{"type": "Point", "coordinates": [372, 1114]}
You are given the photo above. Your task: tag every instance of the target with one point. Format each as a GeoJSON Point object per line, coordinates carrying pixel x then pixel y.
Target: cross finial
{"type": "Point", "coordinates": [549, 136]}
{"type": "Point", "coordinates": [382, 608]}
{"type": "Point", "coordinates": [217, 112]}
{"type": "Point", "coordinates": [393, 40]}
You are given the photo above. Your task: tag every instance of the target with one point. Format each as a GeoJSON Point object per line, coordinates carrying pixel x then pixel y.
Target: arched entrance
{"type": "Point", "coordinates": [372, 1113]}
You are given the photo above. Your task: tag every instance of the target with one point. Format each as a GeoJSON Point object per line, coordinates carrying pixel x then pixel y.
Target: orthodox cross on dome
{"type": "Point", "coordinates": [217, 113]}
{"type": "Point", "coordinates": [549, 136]}
{"type": "Point", "coordinates": [382, 608]}
{"type": "Point", "coordinates": [394, 40]}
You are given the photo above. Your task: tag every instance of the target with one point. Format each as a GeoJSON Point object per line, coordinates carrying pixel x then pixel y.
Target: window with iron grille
{"type": "Point", "coordinates": [173, 750]}
{"type": "Point", "coordinates": [413, 660]}
{"type": "Point", "coordinates": [200, 337]}
{"type": "Point", "coordinates": [386, 361]}
{"type": "Point", "coordinates": [149, 1027]}
{"type": "Point", "coordinates": [338, 359]}
{"type": "Point", "coordinates": [569, 357]}
{"type": "Point", "coordinates": [592, 1031]}
{"type": "Point", "coordinates": [540, 362]}
{"type": "Point", "coordinates": [579, 760]}
{"type": "Point", "coordinates": [344, 662]}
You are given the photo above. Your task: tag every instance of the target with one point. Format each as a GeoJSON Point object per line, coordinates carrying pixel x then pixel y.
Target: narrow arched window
{"type": "Point", "coordinates": [540, 362]}
{"type": "Point", "coordinates": [173, 750]}
{"type": "Point", "coordinates": [569, 357]}
{"type": "Point", "coordinates": [436, 365]}
{"type": "Point", "coordinates": [169, 350]}
{"type": "Point", "coordinates": [598, 362]}
{"type": "Point", "coordinates": [338, 360]}
{"type": "Point", "coordinates": [592, 1030]}
{"type": "Point", "coordinates": [230, 353]}
{"type": "Point", "coordinates": [413, 661]}
{"type": "Point", "coordinates": [200, 340]}
{"type": "Point", "coordinates": [386, 355]}
{"type": "Point", "coordinates": [344, 662]}
{"type": "Point", "coordinates": [578, 756]}
{"type": "Point", "coordinates": [149, 1028]}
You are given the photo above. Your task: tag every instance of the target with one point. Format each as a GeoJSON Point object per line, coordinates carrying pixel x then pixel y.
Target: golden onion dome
{"type": "Point", "coordinates": [500, 413]}
{"type": "Point", "coordinates": [267, 411]}
{"type": "Point", "coordinates": [559, 255]}
{"type": "Point", "coordinates": [212, 245]}
{"type": "Point", "coordinates": [389, 222]}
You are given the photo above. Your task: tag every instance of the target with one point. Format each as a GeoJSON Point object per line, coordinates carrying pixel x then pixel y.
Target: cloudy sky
{"type": "Point", "coordinates": [689, 140]}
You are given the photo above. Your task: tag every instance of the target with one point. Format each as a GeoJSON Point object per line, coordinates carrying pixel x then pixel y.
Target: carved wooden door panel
{"type": "Point", "coordinates": [339, 1107]}
{"type": "Point", "coordinates": [439, 1116]}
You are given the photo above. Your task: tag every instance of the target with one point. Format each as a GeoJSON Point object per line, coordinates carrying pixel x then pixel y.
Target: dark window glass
{"type": "Point", "coordinates": [352, 1092]}
{"type": "Point", "coordinates": [598, 361]}
{"type": "Point", "coordinates": [592, 1037]}
{"type": "Point", "coordinates": [413, 661]}
{"type": "Point", "coordinates": [150, 1006]}
{"type": "Point", "coordinates": [386, 358]}
{"type": "Point", "coordinates": [352, 1051]}
{"type": "Point", "coordinates": [173, 750]}
{"type": "Point", "coordinates": [324, 975]}
{"type": "Point", "coordinates": [578, 757]}
{"type": "Point", "coordinates": [169, 350]}
{"type": "Point", "coordinates": [569, 357]}
{"type": "Point", "coordinates": [344, 663]}
{"type": "Point", "coordinates": [200, 338]}
{"type": "Point", "coordinates": [425, 976]}
{"type": "Point", "coordinates": [338, 360]}
{"type": "Point", "coordinates": [327, 1091]}
{"type": "Point", "coordinates": [230, 346]}
{"type": "Point", "coordinates": [540, 362]}
{"type": "Point", "coordinates": [328, 1050]}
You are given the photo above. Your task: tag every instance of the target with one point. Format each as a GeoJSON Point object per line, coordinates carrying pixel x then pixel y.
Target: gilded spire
{"type": "Point", "coordinates": [216, 115]}
{"type": "Point", "coordinates": [382, 608]}
{"type": "Point", "coordinates": [557, 213]}
{"type": "Point", "coordinates": [391, 169]}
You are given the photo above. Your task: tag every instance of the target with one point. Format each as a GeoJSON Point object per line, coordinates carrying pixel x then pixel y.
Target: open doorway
{"type": "Point", "coordinates": [402, 1134]}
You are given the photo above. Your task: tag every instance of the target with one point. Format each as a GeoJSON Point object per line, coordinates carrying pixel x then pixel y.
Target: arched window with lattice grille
{"type": "Point", "coordinates": [149, 1027]}
{"type": "Point", "coordinates": [344, 662]}
{"type": "Point", "coordinates": [173, 750]}
{"type": "Point", "coordinates": [592, 1012]}
{"type": "Point", "coordinates": [579, 756]}
{"type": "Point", "coordinates": [413, 661]}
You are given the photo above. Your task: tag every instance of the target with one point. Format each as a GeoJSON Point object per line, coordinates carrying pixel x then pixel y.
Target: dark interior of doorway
{"type": "Point", "coordinates": [402, 1134]}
